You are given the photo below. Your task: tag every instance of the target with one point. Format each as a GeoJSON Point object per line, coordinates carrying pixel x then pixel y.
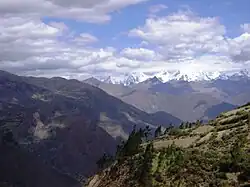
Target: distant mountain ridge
{"type": "Point", "coordinates": [186, 100]}
{"type": "Point", "coordinates": [170, 75]}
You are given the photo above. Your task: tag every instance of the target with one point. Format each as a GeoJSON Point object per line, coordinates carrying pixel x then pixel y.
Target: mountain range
{"type": "Point", "coordinates": [66, 124]}
{"type": "Point", "coordinates": [179, 75]}
{"type": "Point", "coordinates": [188, 100]}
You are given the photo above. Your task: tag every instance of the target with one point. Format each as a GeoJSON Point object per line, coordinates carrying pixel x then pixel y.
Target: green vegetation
{"type": "Point", "coordinates": [105, 161]}
{"type": "Point", "coordinates": [133, 145]}
{"type": "Point", "coordinates": [158, 131]}
{"type": "Point", "coordinates": [219, 156]}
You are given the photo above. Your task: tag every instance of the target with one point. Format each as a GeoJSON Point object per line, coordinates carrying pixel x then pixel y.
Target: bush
{"type": "Point", "coordinates": [133, 145]}
{"type": "Point", "coordinates": [105, 161]}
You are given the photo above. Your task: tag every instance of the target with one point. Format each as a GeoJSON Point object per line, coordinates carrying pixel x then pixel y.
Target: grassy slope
{"type": "Point", "coordinates": [198, 156]}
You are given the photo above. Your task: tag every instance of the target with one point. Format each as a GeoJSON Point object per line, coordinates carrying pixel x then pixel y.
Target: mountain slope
{"type": "Point", "coordinates": [195, 98]}
{"type": "Point", "coordinates": [68, 123]}
{"type": "Point", "coordinates": [106, 106]}
{"type": "Point", "coordinates": [215, 154]}
{"type": "Point", "coordinates": [20, 168]}
{"type": "Point", "coordinates": [193, 104]}
{"type": "Point", "coordinates": [212, 112]}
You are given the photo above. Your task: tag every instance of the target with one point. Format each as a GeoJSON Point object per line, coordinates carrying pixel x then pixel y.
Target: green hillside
{"type": "Point", "coordinates": [195, 154]}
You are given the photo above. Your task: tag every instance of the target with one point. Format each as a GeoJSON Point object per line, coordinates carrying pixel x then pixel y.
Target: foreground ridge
{"type": "Point", "coordinates": [195, 154]}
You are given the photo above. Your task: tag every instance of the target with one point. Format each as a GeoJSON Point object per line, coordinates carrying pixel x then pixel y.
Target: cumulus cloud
{"type": "Point", "coordinates": [31, 45]}
{"type": "Point", "coordinates": [245, 27]}
{"type": "Point", "coordinates": [85, 38]}
{"type": "Point", "coordinates": [87, 10]}
{"type": "Point", "coordinates": [141, 54]}
{"type": "Point", "coordinates": [240, 51]}
{"type": "Point", "coordinates": [157, 8]}
{"type": "Point", "coordinates": [185, 35]}
{"type": "Point", "coordinates": [182, 34]}
{"type": "Point", "coordinates": [181, 40]}
{"type": "Point", "coordinates": [59, 25]}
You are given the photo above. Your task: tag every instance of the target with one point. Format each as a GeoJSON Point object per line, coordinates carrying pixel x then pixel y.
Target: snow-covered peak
{"type": "Point", "coordinates": [235, 75]}
{"type": "Point", "coordinates": [127, 79]}
{"type": "Point", "coordinates": [112, 80]}
{"type": "Point", "coordinates": [165, 76]}
{"type": "Point", "coordinates": [243, 73]}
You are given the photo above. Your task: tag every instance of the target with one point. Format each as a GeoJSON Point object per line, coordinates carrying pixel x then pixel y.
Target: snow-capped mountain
{"type": "Point", "coordinates": [127, 79]}
{"type": "Point", "coordinates": [165, 76]}
{"type": "Point", "coordinates": [235, 75]}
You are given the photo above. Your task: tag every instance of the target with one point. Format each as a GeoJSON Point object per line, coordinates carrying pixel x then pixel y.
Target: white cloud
{"type": "Point", "coordinates": [29, 46]}
{"type": "Point", "coordinates": [141, 54]}
{"type": "Point", "coordinates": [85, 38]}
{"type": "Point", "coordinates": [59, 25]}
{"type": "Point", "coordinates": [240, 48]}
{"type": "Point", "coordinates": [87, 10]}
{"type": "Point", "coordinates": [181, 40]}
{"type": "Point", "coordinates": [157, 8]}
{"type": "Point", "coordinates": [184, 35]}
{"type": "Point", "coordinates": [245, 27]}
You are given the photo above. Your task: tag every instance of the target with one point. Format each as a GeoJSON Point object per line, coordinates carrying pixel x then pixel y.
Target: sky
{"type": "Point", "coordinates": [80, 39]}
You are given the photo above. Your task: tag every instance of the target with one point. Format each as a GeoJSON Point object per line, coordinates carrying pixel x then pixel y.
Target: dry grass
{"type": "Point", "coordinates": [233, 112]}
{"type": "Point", "coordinates": [184, 142]}
{"type": "Point", "coordinates": [205, 138]}
{"type": "Point", "coordinates": [203, 129]}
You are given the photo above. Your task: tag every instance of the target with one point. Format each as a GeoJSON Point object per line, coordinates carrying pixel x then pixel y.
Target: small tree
{"type": "Point", "coordinates": [168, 129]}
{"type": "Point", "coordinates": [158, 132]}
{"type": "Point", "coordinates": [182, 126]}
{"type": "Point", "coordinates": [104, 161]}
{"type": "Point", "coordinates": [190, 125]}
{"type": "Point", "coordinates": [198, 122]}
{"type": "Point", "coordinates": [133, 144]}
{"type": "Point", "coordinates": [147, 132]}
{"type": "Point", "coordinates": [144, 172]}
